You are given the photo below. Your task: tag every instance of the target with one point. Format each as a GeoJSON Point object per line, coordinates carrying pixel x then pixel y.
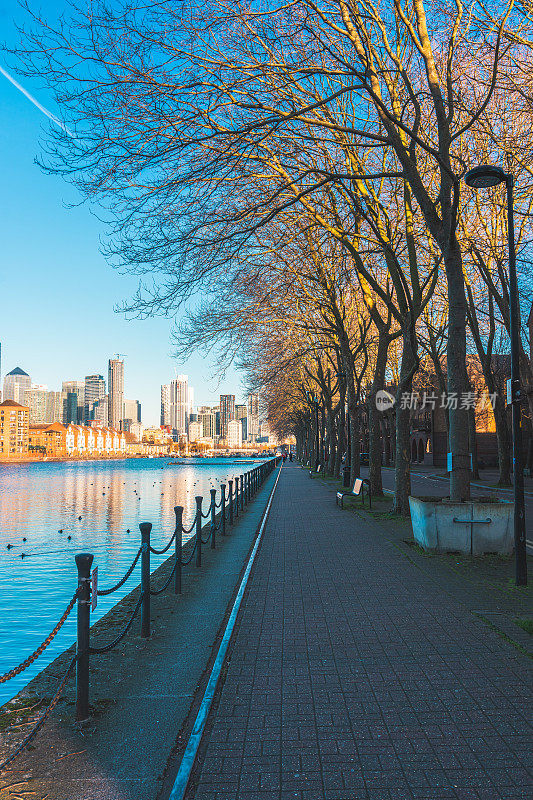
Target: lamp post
{"type": "Point", "coordinates": [482, 177]}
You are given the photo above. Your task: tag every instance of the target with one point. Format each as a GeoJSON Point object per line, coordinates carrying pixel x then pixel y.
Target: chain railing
{"type": "Point", "coordinates": [232, 501]}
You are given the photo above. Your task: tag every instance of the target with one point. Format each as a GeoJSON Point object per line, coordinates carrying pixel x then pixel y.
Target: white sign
{"type": "Point", "coordinates": [94, 588]}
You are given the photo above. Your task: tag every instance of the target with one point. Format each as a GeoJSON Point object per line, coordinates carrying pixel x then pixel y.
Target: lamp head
{"type": "Point", "coordinates": [484, 176]}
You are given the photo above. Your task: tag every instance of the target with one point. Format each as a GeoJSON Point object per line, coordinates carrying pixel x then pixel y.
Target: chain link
{"type": "Point", "coordinates": [36, 653]}
{"type": "Point", "coordinates": [41, 720]}
{"type": "Point", "coordinates": [103, 592]}
{"type": "Point", "coordinates": [164, 550]}
{"type": "Point", "coordinates": [106, 648]}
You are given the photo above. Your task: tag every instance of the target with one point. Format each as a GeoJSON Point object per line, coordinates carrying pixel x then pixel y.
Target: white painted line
{"type": "Point", "coordinates": [189, 756]}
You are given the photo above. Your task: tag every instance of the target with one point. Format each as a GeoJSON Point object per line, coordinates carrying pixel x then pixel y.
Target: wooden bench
{"type": "Point", "coordinates": [317, 470]}
{"type": "Point", "coordinates": [357, 491]}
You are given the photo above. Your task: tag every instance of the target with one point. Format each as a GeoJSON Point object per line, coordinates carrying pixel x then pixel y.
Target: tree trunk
{"type": "Point", "coordinates": [341, 433]}
{"type": "Point", "coordinates": [355, 444]}
{"type": "Point", "coordinates": [402, 462]}
{"type": "Point", "coordinates": [374, 417]}
{"type": "Point", "coordinates": [331, 440]}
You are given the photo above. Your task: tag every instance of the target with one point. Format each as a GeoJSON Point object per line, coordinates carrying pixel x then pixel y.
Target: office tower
{"type": "Point", "coordinates": [217, 423]}
{"type": "Point", "coordinates": [227, 412]}
{"type": "Point", "coordinates": [99, 411]}
{"type": "Point", "coordinates": [35, 399]}
{"type": "Point", "coordinates": [94, 391]}
{"type": "Point", "coordinates": [70, 408]}
{"type": "Point", "coordinates": [195, 431]}
{"type": "Point", "coordinates": [73, 402]}
{"type": "Point", "coordinates": [165, 404]}
{"type": "Point", "coordinates": [207, 419]}
{"type": "Point", "coordinates": [54, 406]}
{"type": "Point", "coordinates": [234, 435]}
{"type": "Point", "coordinates": [179, 404]}
{"type": "Point", "coordinates": [15, 384]}
{"type": "Point", "coordinates": [115, 391]}
{"type": "Point", "coordinates": [252, 417]}
{"type": "Point", "coordinates": [240, 411]}
{"type": "Point", "coordinates": [44, 406]}
{"type": "Point", "coordinates": [132, 410]}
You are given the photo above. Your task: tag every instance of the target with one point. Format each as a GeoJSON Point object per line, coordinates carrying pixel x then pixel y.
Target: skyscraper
{"type": "Point", "coordinates": [115, 389]}
{"type": "Point", "coordinates": [165, 404]}
{"type": "Point", "coordinates": [252, 417]}
{"type": "Point", "coordinates": [73, 402]}
{"type": "Point", "coordinates": [94, 391]}
{"type": "Point", "coordinates": [179, 404]}
{"type": "Point", "coordinates": [15, 384]}
{"type": "Point", "coordinates": [132, 410]}
{"type": "Point", "coordinates": [227, 413]}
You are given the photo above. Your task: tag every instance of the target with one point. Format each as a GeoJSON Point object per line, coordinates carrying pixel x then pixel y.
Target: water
{"type": "Point", "coordinates": [39, 500]}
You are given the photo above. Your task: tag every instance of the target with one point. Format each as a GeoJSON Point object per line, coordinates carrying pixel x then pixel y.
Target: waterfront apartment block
{"type": "Point", "coordinates": [61, 441]}
{"type": "Point", "coordinates": [14, 429]}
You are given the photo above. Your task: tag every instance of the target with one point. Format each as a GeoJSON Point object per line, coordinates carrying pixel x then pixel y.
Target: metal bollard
{"type": "Point", "coordinates": [230, 498]}
{"type": "Point", "coordinates": [83, 563]}
{"type": "Point", "coordinates": [145, 528]}
{"type": "Point", "coordinates": [242, 492]}
{"type": "Point", "coordinates": [223, 507]}
{"type": "Point", "coordinates": [213, 518]}
{"type": "Point", "coordinates": [178, 544]}
{"type": "Point", "coordinates": [236, 495]}
{"type": "Point", "coordinates": [199, 531]}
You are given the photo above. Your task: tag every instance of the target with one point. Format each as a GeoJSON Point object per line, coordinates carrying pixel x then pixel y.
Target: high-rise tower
{"type": "Point", "coordinates": [227, 413]}
{"type": "Point", "coordinates": [94, 391]}
{"type": "Point", "coordinates": [115, 388]}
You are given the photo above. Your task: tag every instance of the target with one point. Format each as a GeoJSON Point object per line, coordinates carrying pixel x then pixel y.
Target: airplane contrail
{"type": "Point", "coordinates": [35, 102]}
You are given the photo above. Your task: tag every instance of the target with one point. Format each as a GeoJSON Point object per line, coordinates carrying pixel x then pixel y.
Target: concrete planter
{"type": "Point", "coordinates": [474, 527]}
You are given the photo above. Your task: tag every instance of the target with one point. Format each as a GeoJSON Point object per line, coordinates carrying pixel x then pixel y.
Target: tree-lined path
{"type": "Point", "coordinates": [352, 675]}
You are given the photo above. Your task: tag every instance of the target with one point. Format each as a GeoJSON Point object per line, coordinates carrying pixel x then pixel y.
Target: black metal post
{"type": "Point", "coordinates": [230, 498]}
{"type": "Point", "coordinates": [178, 544]}
{"type": "Point", "coordinates": [223, 507]}
{"type": "Point", "coordinates": [516, 399]}
{"type": "Point", "coordinates": [83, 563]}
{"type": "Point", "coordinates": [236, 495]}
{"type": "Point", "coordinates": [213, 517]}
{"type": "Point", "coordinates": [145, 528]}
{"type": "Point", "coordinates": [199, 531]}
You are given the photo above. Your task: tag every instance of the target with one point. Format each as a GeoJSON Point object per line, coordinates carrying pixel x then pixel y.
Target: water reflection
{"type": "Point", "coordinates": [40, 510]}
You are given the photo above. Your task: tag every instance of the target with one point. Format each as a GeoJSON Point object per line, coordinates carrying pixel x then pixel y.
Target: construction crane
{"type": "Point", "coordinates": [124, 355]}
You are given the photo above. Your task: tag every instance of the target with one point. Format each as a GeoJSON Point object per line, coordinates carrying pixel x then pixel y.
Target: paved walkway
{"type": "Point", "coordinates": [352, 676]}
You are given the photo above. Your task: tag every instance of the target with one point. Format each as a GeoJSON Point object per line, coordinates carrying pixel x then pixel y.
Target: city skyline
{"type": "Point", "coordinates": [81, 400]}
{"type": "Point", "coordinates": [82, 332]}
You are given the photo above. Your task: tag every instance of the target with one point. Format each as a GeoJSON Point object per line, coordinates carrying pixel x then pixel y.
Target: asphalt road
{"type": "Point", "coordinates": [437, 486]}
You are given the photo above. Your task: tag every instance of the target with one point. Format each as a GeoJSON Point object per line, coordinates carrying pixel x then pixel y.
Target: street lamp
{"type": "Point", "coordinates": [482, 177]}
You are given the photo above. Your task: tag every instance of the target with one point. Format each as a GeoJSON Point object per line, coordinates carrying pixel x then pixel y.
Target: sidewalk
{"type": "Point", "coordinates": [352, 676]}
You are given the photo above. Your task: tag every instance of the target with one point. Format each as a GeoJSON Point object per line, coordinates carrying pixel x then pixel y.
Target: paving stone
{"type": "Point", "coordinates": [353, 676]}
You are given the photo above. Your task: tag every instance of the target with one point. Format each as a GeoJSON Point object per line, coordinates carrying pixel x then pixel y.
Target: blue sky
{"type": "Point", "coordinates": [57, 293]}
